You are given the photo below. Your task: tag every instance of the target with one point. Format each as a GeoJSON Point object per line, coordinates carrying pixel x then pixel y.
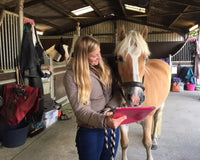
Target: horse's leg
{"type": "Point", "coordinates": [157, 127]}
{"type": "Point", "coordinates": [147, 126]}
{"type": "Point", "coordinates": [124, 141]}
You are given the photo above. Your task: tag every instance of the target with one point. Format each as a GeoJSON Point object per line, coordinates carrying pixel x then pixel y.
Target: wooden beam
{"type": "Point", "coordinates": [177, 13]}
{"type": "Point", "coordinates": [90, 3]}
{"type": "Point", "coordinates": [39, 20]}
{"type": "Point", "coordinates": [139, 15]}
{"type": "Point", "coordinates": [160, 32]}
{"type": "Point", "coordinates": [32, 3]}
{"type": "Point", "coordinates": [3, 6]}
{"type": "Point", "coordinates": [59, 10]}
{"type": "Point", "coordinates": [26, 4]}
{"type": "Point", "coordinates": [122, 7]}
{"type": "Point", "coordinates": [164, 15]}
{"type": "Point", "coordinates": [185, 2]}
{"type": "Point", "coordinates": [177, 18]}
{"type": "Point", "coordinates": [67, 18]}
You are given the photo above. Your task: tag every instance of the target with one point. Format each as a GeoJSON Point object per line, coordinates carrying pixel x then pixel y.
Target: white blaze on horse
{"type": "Point", "coordinates": [59, 51]}
{"type": "Point", "coordinates": [144, 82]}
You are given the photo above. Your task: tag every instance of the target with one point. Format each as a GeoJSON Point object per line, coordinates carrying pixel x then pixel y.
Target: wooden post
{"type": "Point", "coordinates": [170, 60]}
{"type": "Point", "coordinates": [20, 10]}
{"type": "Point", "coordinates": [78, 29]}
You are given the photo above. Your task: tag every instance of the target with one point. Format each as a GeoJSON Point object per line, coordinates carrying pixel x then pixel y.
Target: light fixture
{"type": "Point", "coordinates": [135, 8]}
{"type": "Point", "coordinates": [39, 33]}
{"type": "Point", "coordinates": [82, 10]}
{"type": "Point", "coordinates": [194, 27]}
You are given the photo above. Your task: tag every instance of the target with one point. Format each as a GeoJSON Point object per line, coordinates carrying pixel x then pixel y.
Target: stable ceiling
{"type": "Point", "coordinates": [54, 17]}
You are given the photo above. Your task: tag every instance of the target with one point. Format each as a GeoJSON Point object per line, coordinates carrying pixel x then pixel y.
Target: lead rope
{"type": "Point", "coordinates": [106, 138]}
{"type": "Point", "coordinates": [112, 140]}
{"type": "Point", "coordinates": [113, 137]}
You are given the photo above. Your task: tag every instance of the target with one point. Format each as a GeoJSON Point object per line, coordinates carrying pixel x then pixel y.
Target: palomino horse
{"type": "Point", "coordinates": [144, 82]}
{"type": "Point", "coordinates": [59, 51]}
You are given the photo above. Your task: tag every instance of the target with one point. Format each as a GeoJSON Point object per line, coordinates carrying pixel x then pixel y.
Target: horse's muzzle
{"type": "Point", "coordinates": [134, 97]}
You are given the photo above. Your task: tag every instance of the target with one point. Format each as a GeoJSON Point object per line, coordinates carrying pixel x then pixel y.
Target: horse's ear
{"type": "Point", "coordinates": [145, 32]}
{"type": "Point", "coordinates": [62, 40]}
{"type": "Point", "coordinates": [121, 33]}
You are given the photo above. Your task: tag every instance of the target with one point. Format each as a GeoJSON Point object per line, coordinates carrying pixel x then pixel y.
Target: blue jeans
{"type": "Point", "coordinates": [90, 144]}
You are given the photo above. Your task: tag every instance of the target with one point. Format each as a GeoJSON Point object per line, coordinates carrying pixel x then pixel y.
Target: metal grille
{"type": "Point", "coordinates": [184, 53]}
{"type": "Point", "coordinates": [9, 40]}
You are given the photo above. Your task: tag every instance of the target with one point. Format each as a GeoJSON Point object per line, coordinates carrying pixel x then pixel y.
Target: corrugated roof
{"type": "Point", "coordinates": [54, 17]}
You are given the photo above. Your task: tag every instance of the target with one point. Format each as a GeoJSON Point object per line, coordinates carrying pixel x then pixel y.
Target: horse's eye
{"type": "Point", "coordinates": [116, 58]}
{"type": "Point", "coordinates": [119, 58]}
{"type": "Point", "coordinates": [146, 59]}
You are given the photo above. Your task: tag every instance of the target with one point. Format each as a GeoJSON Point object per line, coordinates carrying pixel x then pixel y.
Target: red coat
{"type": "Point", "coordinates": [16, 108]}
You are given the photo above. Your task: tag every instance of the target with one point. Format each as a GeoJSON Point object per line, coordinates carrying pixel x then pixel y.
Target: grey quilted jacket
{"type": "Point", "coordinates": [101, 97]}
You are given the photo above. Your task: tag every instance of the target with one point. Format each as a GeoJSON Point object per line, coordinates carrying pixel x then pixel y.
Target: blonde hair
{"type": "Point", "coordinates": [133, 44]}
{"type": "Point", "coordinates": [81, 68]}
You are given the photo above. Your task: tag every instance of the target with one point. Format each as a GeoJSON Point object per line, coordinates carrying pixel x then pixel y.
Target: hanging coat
{"type": "Point", "coordinates": [31, 56]}
{"type": "Point", "coordinates": [18, 105]}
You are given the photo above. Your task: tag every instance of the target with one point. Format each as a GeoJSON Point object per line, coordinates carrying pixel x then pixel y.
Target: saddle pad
{"type": "Point", "coordinates": [133, 114]}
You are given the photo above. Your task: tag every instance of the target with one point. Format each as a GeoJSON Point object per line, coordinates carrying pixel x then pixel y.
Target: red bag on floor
{"type": "Point", "coordinates": [176, 87]}
{"type": "Point", "coordinates": [19, 102]}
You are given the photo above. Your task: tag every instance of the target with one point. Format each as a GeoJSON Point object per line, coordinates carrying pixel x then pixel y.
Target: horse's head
{"type": "Point", "coordinates": [59, 51]}
{"type": "Point", "coordinates": [131, 55]}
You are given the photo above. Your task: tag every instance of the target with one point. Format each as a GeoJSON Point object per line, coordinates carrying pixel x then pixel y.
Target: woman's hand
{"type": "Point", "coordinates": [107, 112]}
{"type": "Point", "coordinates": [114, 123]}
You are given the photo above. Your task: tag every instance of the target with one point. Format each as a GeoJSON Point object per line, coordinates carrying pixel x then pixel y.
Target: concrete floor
{"type": "Point", "coordinates": [180, 138]}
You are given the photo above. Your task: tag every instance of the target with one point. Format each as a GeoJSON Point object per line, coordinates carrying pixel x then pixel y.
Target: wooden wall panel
{"type": "Point", "coordinates": [59, 87]}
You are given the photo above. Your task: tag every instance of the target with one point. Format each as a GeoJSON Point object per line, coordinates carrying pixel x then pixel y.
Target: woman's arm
{"type": "Point", "coordinates": [84, 114]}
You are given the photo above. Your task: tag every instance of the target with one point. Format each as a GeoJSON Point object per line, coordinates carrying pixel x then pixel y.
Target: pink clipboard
{"type": "Point", "coordinates": [133, 114]}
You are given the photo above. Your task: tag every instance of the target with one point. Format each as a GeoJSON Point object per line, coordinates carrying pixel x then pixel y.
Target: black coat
{"type": "Point", "coordinates": [31, 56]}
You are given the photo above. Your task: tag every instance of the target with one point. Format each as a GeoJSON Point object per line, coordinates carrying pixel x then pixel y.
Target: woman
{"type": "Point", "coordinates": [88, 84]}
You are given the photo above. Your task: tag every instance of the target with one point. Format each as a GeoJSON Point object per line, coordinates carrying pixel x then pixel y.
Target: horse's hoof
{"type": "Point", "coordinates": [154, 147]}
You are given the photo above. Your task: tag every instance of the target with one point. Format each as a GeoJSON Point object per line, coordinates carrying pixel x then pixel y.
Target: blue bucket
{"type": "Point", "coordinates": [13, 136]}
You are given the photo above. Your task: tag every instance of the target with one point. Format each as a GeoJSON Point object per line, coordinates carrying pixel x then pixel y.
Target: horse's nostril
{"type": "Point", "coordinates": [129, 96]}
{"type": "Point", "coordinates": [142, 97]}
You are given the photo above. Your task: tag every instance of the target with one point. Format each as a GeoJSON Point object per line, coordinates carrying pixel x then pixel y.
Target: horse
{"type": "Point", "coordinates": [144, 82]}
{"type": "Point", "coordinates": [59, 51]}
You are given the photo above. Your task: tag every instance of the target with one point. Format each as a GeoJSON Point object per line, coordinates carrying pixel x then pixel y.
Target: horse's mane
{"type": "Point", "coordinates": [134, 44]}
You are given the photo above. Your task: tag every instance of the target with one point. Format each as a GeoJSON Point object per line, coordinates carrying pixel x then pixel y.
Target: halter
{"type": "Point", "coordinates": [131, 84]}
{"type": "Point", "coordinates": [127, 84]}
{"type": "Point", "coordinates": [134, 84]}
